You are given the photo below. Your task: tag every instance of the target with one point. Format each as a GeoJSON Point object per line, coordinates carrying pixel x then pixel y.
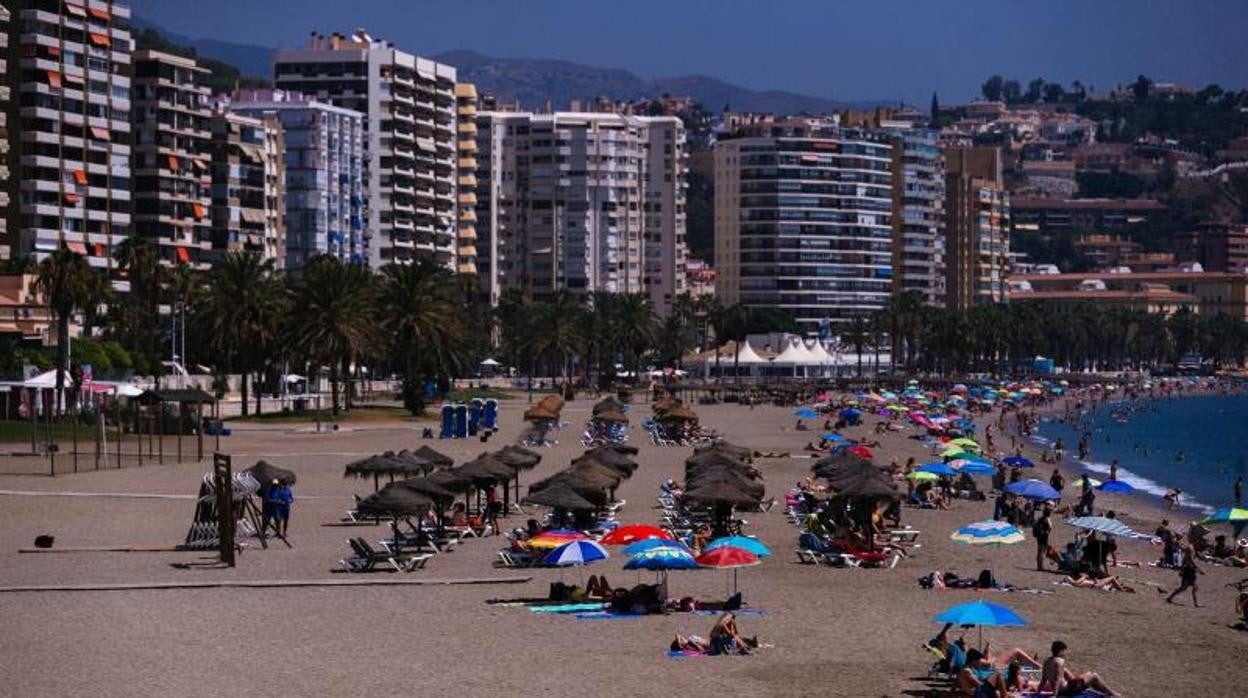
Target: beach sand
{"type": "Point", "coordinates": [849, 632]}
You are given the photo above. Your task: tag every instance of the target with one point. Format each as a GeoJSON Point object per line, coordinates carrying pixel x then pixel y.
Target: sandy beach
{"type": "Point", "coordinates": [851, 632]}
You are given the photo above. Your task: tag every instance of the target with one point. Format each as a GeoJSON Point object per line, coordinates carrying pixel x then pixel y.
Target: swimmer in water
{"type": "Point", "coordinates": [1180, 457]}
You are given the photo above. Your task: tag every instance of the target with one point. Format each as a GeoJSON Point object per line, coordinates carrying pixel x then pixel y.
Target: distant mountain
{"type": "Point", "coordinates": [252, 61]}
{"type": "Point", "coordinates": [533, 81]}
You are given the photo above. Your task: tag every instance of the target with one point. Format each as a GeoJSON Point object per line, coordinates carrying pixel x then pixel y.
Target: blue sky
{"type": "Point", "coordinates": [849, 50]}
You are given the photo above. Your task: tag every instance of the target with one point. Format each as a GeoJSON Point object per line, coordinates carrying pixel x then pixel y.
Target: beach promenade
{"type": "Point", "coordinates": [850, 632]}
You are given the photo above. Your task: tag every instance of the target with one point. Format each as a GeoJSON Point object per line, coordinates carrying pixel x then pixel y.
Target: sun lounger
{"type": "Point", "coordinates": [366, 558]}
{"type": "Point", "coordinates": [512, 558]}
{"type": "Point", "coordinates": [903, 535]}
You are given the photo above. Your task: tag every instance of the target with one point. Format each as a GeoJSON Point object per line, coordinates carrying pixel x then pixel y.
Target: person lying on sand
{"type": "Point", "coordinates": [1107, 583]}
{"type": "Point", "coordinates": [690, 643]}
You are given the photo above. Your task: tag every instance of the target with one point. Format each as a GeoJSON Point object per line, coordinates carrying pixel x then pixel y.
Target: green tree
{"type": "Point", "coordinates": [333, 317]}
{"type": "Point", "coordinates": [63, 280]}
{"type": "Point", "coordinates": [241, 311]}
{"type": "Point", "coordinates": [422, 314]}
{"type": "Point", "coordinates": [992, 88]}
{"type": "Point", "coordinates": [136, 316]}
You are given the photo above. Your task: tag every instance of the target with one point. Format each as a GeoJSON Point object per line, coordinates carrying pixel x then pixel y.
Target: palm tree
{"type": "Point", "coordinates": [858, 336]}
{"type": "Point", "coordinates": [333, 316]}
{"type": "Point", "coordinates": [63, 279]}
{"type": "Point", "coordinates": [138, 312]}
{"type": "Point", "coordinates": [422, 314]}
{"type": "Point", "coordinates": [635, 328]}
{"type": "Point", "coordinates": [241, 312]}
{"type": "Point", "coordinates": [552, 332]}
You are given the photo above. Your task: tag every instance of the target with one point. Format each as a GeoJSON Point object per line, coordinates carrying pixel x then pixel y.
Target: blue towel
{"type": "Point", "coordinates": [569, 608]}
{"type": "Point", "coordinates": [685, 654]}
{"type": "Point", "coordinates": [606, 615]}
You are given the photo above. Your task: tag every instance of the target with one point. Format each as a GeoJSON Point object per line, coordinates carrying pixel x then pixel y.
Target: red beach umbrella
{"type": "Point", "coordinates": [728, 557]}
{"type": "Point", "coordinates": [627, 535]}
{"type": "Point", "coordinates": [860, 451]}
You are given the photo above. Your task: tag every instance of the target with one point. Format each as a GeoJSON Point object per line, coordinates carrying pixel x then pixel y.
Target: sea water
{"type": "Point", "coordinates": [1197, 444]}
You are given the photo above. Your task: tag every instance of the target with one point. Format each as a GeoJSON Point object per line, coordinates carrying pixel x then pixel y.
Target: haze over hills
{"type": "Point", "coordinates": [533, 81]}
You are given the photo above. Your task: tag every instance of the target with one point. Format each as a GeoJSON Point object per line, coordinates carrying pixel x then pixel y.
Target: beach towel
{"type": "Point", "coordinates": [569, 608]}
{"type": "Point", "coordinates": [685, 654]}
{"type": "Point", "coordinates": [606, 615]}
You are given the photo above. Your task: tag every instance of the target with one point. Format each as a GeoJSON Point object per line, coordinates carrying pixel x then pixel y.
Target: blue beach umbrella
{"type": "Point", "coordinates": [976, 467]}
{"type": "Point", "coordinates": [806, 413]}
{"type": "Point", "coordinates": [981, 613]}
{"type": "Point", "coordinates": [642, 546]}
{"type": "Point", "coordinates": [1116, 486]}
{"type": "Point", "coordinates": [1018, 462]}
{"type": "Point", "coordinates": [990, 533]}
{"type": "Point", "coordinates": [661, 559]}
{"type": "Point", "coordinates": [1033, 489]}
{"type": "Point", "coordinates": [743, 542]}
{"type": "Point", "coordinates": [834, 437]}
{"type": "Point", "coordinates": [937, 469]}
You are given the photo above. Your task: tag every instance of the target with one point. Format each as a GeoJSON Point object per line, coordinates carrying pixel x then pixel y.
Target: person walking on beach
{"type": "Point", "coordinates": [1057, 482]}
{"type": "Point", "coordinates": [1187, 572]}
{"type": "Point", "coordinates": [1113, 469]}
{"type": "Point", "coordinates": [1041, 530]}
{"type": "Point", "coordinates": [1059, 450]}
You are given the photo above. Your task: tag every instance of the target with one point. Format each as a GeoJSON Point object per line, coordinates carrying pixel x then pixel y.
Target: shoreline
{"type": "Point", "coordinates": [1141, 504]}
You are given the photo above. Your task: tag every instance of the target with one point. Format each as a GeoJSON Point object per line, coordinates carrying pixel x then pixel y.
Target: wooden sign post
{"type": "Point", "coordinates": [223, 481]}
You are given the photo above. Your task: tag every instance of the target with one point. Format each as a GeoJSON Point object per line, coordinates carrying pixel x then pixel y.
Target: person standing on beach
{"type": "Point", "coordinates": [282, 498]}
{"type": "Point", "coordinates": [1187, 572]}
{"type": "Point", "coordinates": [1041, 530]}
{"type": "Point", "coordinates": [1057, 482]}
{"type": "Point", "coordinates": [1113, 469]}
{"type": "Point", "coordinates": [1239, 490]}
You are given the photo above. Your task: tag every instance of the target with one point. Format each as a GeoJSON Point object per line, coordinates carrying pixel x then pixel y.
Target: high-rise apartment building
{"type": "Point", "coordinates": [69, 70]}
{"type": "Point", "coordinates": [496, 194]}
{"type": "Point", "coordinates": [411, 148]}
{"type": "Point", "coordinates": [918, 202]}
{"type": "Point", "coordinates": [1216, 246]}
{"type": "Point", "coordinates": [571, 201]}
{"type": "Point", "coordinates": [666, 254]}
{"type": "Point", "coordinates": [5, 199]}
{"type": "Point", "coordinates": [977, 224]}
{"type": "Point", "coordinates": [803, 220]}
{"type": "Point", "coordinates": [324, 180]}
{"type": "Point", "coordinates": [172, 182]}
{"type": "Point", "coordinates": [466, 171]}
{"type": "Point", "coordinates": [247, 186]}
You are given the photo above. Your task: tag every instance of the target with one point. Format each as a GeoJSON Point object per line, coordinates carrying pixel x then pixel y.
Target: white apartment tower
{"type": "Point", "coordinates": [581, 202]}
{"type": "Point", "coordinates": [70, 78]}
{"type": "Point", "coordinates": [409, 107]}
{"type": "Point", "coordinates": [803, 221]}
{"type": "Point", "coordinates": [324, 181]}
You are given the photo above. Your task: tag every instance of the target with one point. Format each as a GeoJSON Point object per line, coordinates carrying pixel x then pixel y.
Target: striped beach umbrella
{"type": "Point", "coordinates": [988, 533]}
{"type": "Point", "coordinates": [1103, 524]}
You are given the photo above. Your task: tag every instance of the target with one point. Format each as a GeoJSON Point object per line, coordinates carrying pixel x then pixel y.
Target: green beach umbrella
{"type": "Point", "coordinates": [1227, 515]}
{"type": "Point", "coordinates": [918, 475]}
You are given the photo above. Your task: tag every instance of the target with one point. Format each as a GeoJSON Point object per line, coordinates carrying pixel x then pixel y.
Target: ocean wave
{"type": "Point", "coordinates": [1140, 483]}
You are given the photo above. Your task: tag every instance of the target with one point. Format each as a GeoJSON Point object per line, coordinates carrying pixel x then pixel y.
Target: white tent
{"type": "Point", "coordinates": [794, 354]}
{"type": "Point", "coordinates": [48, 380]}
{"type": "Point", "coordinates": [820, 354]}
{"type": "Point", "coordinates": [490, 362]}
{"type": "Point", "coordinates": [746, 355]}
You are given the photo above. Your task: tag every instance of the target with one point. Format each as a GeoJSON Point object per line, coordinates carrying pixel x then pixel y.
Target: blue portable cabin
{"type": "Point", "coordinates": [461, 421]}
{"type": "Point", "coordinates": [448, 423]}
{"type": "Point", "coordinates": [475, 410]}
{"type": "Point", "coordinates": [489, 417]}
